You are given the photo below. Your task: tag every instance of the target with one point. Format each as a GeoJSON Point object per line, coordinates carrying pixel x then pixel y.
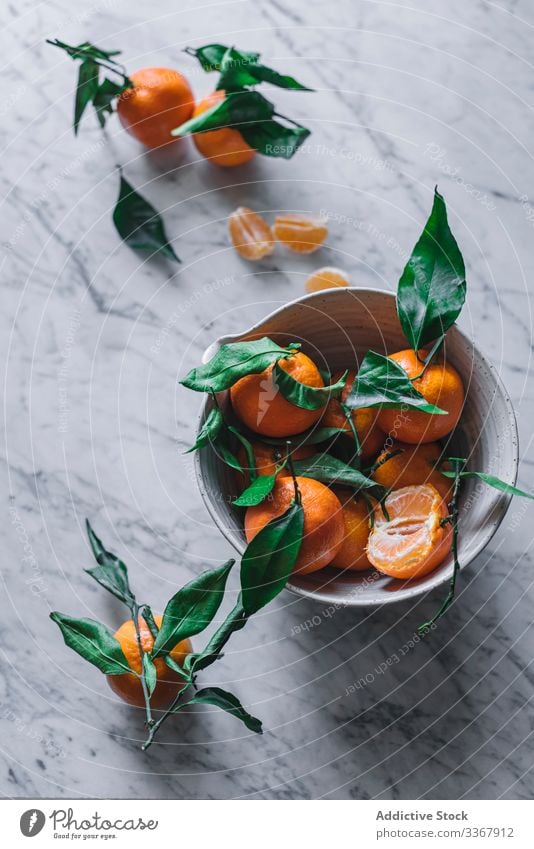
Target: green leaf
{"type": "Point", "coordinates": [236, 110]}
{"type": "Point", "coordinates": [240, 69]}
{"type": "Point", "coordinates": [171, 663]}
{"type": "Point", "coordinates": [139, 224]}
{"type": "Point", "coordinates": [191, 609]}
{"type": "Point", "coordinates": [111, 573]}
{"type": "Point", "coordinates": [211, 56]}
{"type": "Point", "coordinates": [236, 619]}
{"type": "Point", "coordinates": [271, 138]}
{"type": "Point", "coordinates": [431, 291]}
{"type": "Point", "coordinates": [381, 382]}
{"type": "Point", "coordinates": [86, 50]}
{"type": "Point", "coordinates": [258, 490]}
{"type": "Point", "coordinates": [269, 559]}
{"type": "Point", "coordinates": [232, 362]}
{"type": "Point", "coordinates": [306, 397]}
{"type": "Point", "coordinates": [94, 642]}
{"type": "Point", "coordinates": [225, 701]}
{"type": "Point", "coordinates": [149, 673]}
{"type": "Point", "coordinates": [249, 451]}
{"type": "Point", "coordinates": [209, 430]}
{"type": "Point", "coordinates": [86, 89]}
{"type": "Point", "coordinates": [330, 470]}
{"type": "Point", "coordinates": [493, 481]}
{"type": "Point", "coordinates": [104, 96]}
{"type": "Point", "coordinates": [314, 436]}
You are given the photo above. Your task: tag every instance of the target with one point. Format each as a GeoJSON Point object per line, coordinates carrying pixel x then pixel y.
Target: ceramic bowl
{"type": "Point", "coordinates": [336, 328]}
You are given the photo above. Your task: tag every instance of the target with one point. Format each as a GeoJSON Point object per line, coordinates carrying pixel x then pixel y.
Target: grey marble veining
{"type": "Point", "coordinates": [93, 341]}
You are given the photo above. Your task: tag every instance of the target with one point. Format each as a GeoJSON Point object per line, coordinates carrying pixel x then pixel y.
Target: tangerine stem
{"type": "Point", "coordinates": [453, 518]}
{"type": "Point", "coordinates": [289, 461]}
{"type": "Point", "coordinates": [134, 610]}
{"type": "Point", "coordinates": [426, 362]}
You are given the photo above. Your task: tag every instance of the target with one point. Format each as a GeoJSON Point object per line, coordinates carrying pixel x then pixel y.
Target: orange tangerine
{"type": "Point", "coordinates": [160, 100]}
{"type": "Point", "coordinates": [168, 683]}
{"type": "Point", "coordinates": [440, 385]}
{"type": "Point", "coordinates": [415, 465]}
{"type": "Point", "coordinates": [352, 554]}
{"type": "Point", "coordinates": [262, 407]}
{"type": "Point", "coordinates": [324, 527]}
{"type": "Point", "coordinates": [412, 541]}
{"type": "Point", "coordinates": [365, 420]}
{"type": "Point", "coordinates": [225, 147]}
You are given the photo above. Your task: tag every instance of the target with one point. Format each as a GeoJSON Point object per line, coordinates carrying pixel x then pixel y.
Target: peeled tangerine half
{"type": "Point", "coordinates": [250, 234]}
{"type": "Point", "coordinates": [412, 541]}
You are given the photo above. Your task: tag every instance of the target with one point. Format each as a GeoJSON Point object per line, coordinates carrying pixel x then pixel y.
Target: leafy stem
{"type": "Point", "coordinates": [289, 461]}
{"type": "Point", "coordinates": [350, 421]}
{"type": "Point", "coordinates": [429, 357]}
{"type": "Point", "coordinates": [155, 725]}
{"type": "Point", "coordinates": [458, 465]}
{"type": "Point", "coordinates": [135, 610]}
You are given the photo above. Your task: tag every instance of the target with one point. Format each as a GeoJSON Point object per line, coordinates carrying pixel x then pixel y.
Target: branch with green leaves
{"type": "Point", "coordinates": [136, 221]}
{"type": "Point", "coordinates": [243, 108]}
{"type": "Point", "coordinates": [265, 569]}
{"type": "Point", "coordinates": [455, 468]}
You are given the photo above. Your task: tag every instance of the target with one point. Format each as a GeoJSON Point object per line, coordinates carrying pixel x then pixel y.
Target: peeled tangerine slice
{"type": "Point", "coordinates": [250, 234]}
{"type": "Point", "coordinates": [412, 542]}
{"type": "Point", "coordinates": [326, 278]}
{"type": "Point", "coordinates": [300, 233]}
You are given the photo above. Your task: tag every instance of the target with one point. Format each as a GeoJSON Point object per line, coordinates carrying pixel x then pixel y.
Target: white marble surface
{"type": "Point", "coordinates": [93, 341]}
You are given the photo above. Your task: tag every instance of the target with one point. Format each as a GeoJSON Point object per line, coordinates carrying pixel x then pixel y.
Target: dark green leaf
{"type": "Point", "coordinates": [104, 96]}
{"type": "Point", "coordinates": [271, 138]}
{"type": "Point", "coordinates": [226, 701]}
{"type": "Point", "coordinates": [211, 56]}
{"type": "Point", "coordinates": [85, 90]}
{"type": "Point", "coordinates": [249, 451]}
{"type": "Point", "coordinates": [235, 620]}
{"type": "Point", "coordinates": [149, 673]}
{"type": "Point", "coordinates": [209, 430]}
{"type": "Point", "coordinates": [431, 291]}
{"type": "Point", "coordinates": [148, 616]}
{"type": "Point", "coordinates": [228, 457]}
{"type": "Point", "coordinates": [232, 362]}
{"type": "Point", "coordinates": [138, 224]}
{"type": "Point", "coordinates": [269, 559]}
{"type": "Point", "coordinates": [94, 642]}
{"type": "Point", "coordinates": [381, 382]}
{"type": "Point", "coordinates": [171, 663]}
{"type": "Point", "coordinates": [86, 50]}
{"type": "Point", "coordinates": [311, 437]}
{"type": "Point", "coordinates": [111, 573]}
{"type": "Point", "coordinates": [238, 109]}
{"type": "Point", "coordinates": [330, 470]}
{"type": "Point", "coordinates": [191, 609]}
{"type": "Point", "coordinates": [239, 70]}
{"type": "Point", "coordinates": [307, 397]}
{"type": "Point", "coordinates": [496, 483]}
{"type": "Point", "coordinates": [257, 491]}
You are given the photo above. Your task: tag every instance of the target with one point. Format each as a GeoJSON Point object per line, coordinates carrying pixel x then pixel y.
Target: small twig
{"type": "Point", "coordinates": [134, 609]}
{"type": "Point", "coordinates": [289, 460]}
{"type": "Point", "coordinates": [453, 519]}
{"type": "Point", "coordinates": [426, 362]}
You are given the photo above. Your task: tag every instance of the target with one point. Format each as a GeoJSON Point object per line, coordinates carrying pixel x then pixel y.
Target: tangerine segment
{"type": "Point", "coordinates": [440, 385]}
{"type": "Point", "coordinates": [412, 542]}
{"type": "Point", "coordinates": [417, 464]}
{"type": "Point", "coordinates": [160, 100]}
{"type": "Point", "coordinates": [225, 147]}
{"type": "Point", "coordinates": [258, 402]}
{"type": "Point", "coordinates": [300, 233]}
{"type": "Point", "coordinates": [250, 234]}
{"type": "Point", "coordinates": [324, 527]}
{"type": "Point", "coordinates": [352, 554]}
{"type": "Point", "coordinates": [168, 683]}
{"type": "Point", "coordinates": [326, 278]}
{"type": "Point", "coordinates": [268, 457]}
{"type": "Point", "coordinates": [364, 420]}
